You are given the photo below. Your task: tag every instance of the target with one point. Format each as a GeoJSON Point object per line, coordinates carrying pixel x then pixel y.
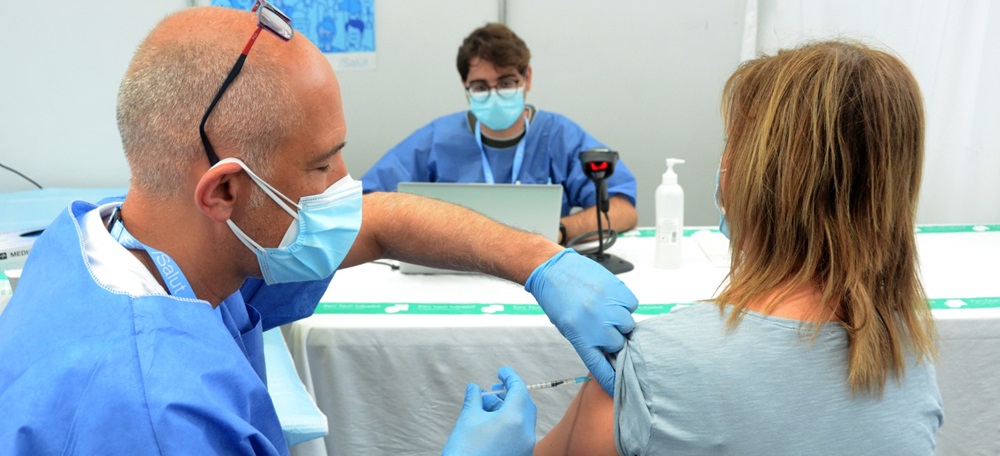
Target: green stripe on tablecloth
{"type": "Point", "coordinates": [926, 229]}
{"type": "Point", "coordinates": [375, 308]}
{"type": "Point", "coordinates": [966, 303]}
{"type": "Point", "coordinates": [383, 308]}
{"type": "Point", "coordinates": [651, 232]}
{"type": "Point", "coordinates": [921, 229]}
{"type": "Point", "coordinates": [3, 276]}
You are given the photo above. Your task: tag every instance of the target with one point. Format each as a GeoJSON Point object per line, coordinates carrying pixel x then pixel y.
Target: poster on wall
{"type": "Point", "coordinates": [343, 29]}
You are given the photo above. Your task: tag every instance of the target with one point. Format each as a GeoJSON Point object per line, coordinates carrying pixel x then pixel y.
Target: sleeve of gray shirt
{"type": "Point", "coordinates": [687, 385]}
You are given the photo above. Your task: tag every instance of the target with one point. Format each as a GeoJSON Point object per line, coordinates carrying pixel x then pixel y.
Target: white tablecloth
{"type": "Point", "coordinates": [387, 355]}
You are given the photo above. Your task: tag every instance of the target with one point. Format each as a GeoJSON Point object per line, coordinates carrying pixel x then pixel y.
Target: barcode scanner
{"type": "Point", "coordinates": [598, 166]}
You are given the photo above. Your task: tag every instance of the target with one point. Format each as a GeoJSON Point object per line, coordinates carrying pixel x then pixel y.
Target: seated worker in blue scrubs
{"type": "Point", "coordinates": [501, 139]}
{"type": "Point", "coordinates": [135, 329]}
{"type": "Point", "coordinates": [822, 341]}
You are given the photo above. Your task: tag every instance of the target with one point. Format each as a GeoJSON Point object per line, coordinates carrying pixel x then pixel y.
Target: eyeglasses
{"type": "Point", "coordinates": [273, 20]}
{"type": "Point", "coordinates": [506, 87]}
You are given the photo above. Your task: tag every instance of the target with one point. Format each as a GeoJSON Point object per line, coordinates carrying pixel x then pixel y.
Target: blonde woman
{"type": "Point", "coordinates": [821, 342]}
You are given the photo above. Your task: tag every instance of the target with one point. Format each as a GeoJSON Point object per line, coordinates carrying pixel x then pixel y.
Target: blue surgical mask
{"type": "Point", "coordinates": [497, 112]}
{"type": "Point", "coordinates": [319, 237]}
{"type": "Point", "coordinates": [723, 225]}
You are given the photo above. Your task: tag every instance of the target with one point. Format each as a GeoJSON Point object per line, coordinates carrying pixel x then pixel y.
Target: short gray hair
{"type": "Point", "coordinates": [168, 87]}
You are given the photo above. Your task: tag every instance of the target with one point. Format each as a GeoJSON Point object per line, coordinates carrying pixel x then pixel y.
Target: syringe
{"type": "Point", "coordinates": [542, 385]}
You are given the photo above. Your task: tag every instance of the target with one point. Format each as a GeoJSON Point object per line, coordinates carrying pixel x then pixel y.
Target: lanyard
{"type": "Point", "coordinates": [171, 273]}
{"type": "Point", "coordinates": [518, 155]}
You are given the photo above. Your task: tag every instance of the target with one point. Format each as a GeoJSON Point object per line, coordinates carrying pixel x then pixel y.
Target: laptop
{"type": "Point", "coordinates": [529, 207]}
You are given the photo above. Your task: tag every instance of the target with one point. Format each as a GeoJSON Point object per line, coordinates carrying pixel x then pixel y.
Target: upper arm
{"type": "Point", "coordinates": [586, 429]}
{"type": "Point", "coordinates": [622, 183]}
{"type": "Point", "coordinates": [422, 230]}
{"type": "Point", "coordinates": [366, 246]}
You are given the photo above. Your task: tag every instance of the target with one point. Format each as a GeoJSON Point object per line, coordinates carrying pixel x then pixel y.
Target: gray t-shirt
{"type": "Point", "coordinates": [686, 386]}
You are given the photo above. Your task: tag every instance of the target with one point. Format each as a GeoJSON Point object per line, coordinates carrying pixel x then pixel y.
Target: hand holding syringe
{"type": "Point", "coordinates": [551, 384]}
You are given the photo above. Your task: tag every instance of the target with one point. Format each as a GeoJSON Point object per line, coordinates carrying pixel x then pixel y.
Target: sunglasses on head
{"type": "Point", "coordinates": [269, 18]}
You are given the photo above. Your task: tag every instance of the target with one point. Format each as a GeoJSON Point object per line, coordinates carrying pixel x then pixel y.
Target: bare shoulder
{"type": "Point", "coordinates": [587, 428]}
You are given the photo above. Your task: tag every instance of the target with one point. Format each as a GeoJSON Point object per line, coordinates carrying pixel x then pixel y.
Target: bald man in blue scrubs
{"type": "Point", "coordinates": [137, 325]}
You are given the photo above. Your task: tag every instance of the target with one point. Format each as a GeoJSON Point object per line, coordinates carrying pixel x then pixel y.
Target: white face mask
{"type": "Point", "coordinates": [319, 238]}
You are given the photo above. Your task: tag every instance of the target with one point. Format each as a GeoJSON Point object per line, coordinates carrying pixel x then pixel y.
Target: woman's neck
{"type": "Point", "coordinates": [803, 302]}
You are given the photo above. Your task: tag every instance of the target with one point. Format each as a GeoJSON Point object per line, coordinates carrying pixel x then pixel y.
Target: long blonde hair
{"type": "Point", "coordinates": [823, 163]}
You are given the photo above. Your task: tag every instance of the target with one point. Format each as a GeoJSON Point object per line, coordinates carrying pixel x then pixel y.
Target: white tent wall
{"type": "Point", "coordinates": [953, 49]}
{"type": "Point", "coordinates": [416, 79]}
{"type": "Point", "coordinates": [643, 76]}
{"type": "Point", "coordinates": [62, 61]}
{"type": "Point", "coordinates": [60, 65]}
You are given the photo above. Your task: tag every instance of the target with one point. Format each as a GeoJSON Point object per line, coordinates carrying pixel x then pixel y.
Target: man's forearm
{"type": "Point", "coordinates": [620, 211]}
{"type": "Point", "coordinates": [434, 233]}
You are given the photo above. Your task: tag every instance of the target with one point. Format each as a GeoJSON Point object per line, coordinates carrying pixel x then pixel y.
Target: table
{"type": "Point", "coordinates": [300, 419]}
{"type": "Point", "coordinates": [387, 356]}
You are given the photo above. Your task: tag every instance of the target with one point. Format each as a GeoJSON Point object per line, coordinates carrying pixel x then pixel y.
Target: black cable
{"type": "Point", "coordinates": [19, 174]}
{"type": "Point", "coordinates": [386, 263]}
{"type": "Point", "coordinates": [609, 239]}
{"type": "Point", "coordinates": [600, 241]}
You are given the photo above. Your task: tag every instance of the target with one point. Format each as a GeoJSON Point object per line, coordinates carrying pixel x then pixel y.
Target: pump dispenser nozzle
{"type": "Point", "coordinates": [670, 177]}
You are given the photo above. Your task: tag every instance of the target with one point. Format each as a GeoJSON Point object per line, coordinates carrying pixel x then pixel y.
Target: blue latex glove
{"type": "Point", "coordinates": [589, 305]}
{"type": "Point", "coordinates": [499, 428]}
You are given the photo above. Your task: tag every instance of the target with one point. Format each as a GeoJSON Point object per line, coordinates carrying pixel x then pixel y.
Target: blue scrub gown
{"type": "Point", "coordinates": [445, 150]}
{"type": "Point", "coordinates": [86, 370]}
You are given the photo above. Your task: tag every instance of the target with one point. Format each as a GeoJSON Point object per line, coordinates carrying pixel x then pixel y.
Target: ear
{"type": "Point", "coordinates": [216, 191]}
{"type": "Point", "coordinates": [527, 80]}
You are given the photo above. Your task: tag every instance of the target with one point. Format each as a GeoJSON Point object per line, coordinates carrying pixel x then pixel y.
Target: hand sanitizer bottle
{"type": "Point", "coordinates": [669, 219]}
